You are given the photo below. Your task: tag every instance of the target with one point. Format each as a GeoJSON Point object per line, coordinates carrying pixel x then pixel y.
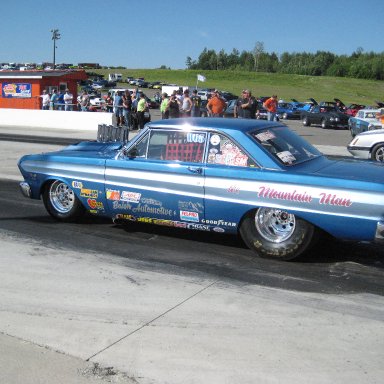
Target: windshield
{"type": "Point", "coordinates": [285, 146]}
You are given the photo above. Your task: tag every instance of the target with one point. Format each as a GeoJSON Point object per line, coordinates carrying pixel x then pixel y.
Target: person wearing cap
{"type": "Point", "coordinates": [68, 98]}
{"type": "Point", "coordinates": [164, 106]}
{"type": "Point", "coordinates": [216, 105]}
{"type": "Point", "coordinates": [245, 107]}
{"type": "Point", "coordinates": [271, 106]}
{"type": "Point", "coordinates": [196, 104]}
{"type": "Point", "coordinates": [45, 99]}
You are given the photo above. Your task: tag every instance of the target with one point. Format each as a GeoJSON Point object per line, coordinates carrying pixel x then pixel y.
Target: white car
{"type": "Point", "coordinates": [365, 120]}
{"type": "Point", "coordinates": [368, 145]}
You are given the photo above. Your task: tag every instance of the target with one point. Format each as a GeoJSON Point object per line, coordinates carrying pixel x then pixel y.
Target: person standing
{"type": "Point", "coordinates": [68, 98]}
{"type": "Point", "coordinates": [196, 104]}
{"type": "Point", "coordinates": [60, 101]}
{"type": "Point", "coordinates": [164, 106]}
{"type": "Point", "coordinates": [84, 101]}
{"type": "Point", "coordinates": [109, 102]}
{"type": "Point", "coordinates": [186, 104]}
{"type": "Point", "coordinates": [45, 99]}
{"type": "Point", "coordinates": [127, 106]}
{"type": "Point", "coordinates": [216, 105]}
{"type": "Point", "coordinates": [54, 99]}
{"type": "Point", "coordinates": [141, 107]}
{"type": "Point", "coordinates": [118, 108]}
{"type": "Point", "coordinates": [245, 107]}
{"type": "Point", "coordinates": [173, 107]}
{"type": "Point", "coordinates": [271, 106]}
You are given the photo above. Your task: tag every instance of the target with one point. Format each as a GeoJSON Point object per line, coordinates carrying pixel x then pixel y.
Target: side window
{"type": "Point", "coordinates": [177, 146]}
{"type": "Point", "coordinates": [140, 149]}
{"type": "Point", "coordinates": [224, 151]}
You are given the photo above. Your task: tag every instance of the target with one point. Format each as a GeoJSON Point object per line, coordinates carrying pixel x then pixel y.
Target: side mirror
{"type": "Point", "coordinates": [132, 153]}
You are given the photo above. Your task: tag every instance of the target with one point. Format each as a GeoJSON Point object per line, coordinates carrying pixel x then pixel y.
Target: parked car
{"type": "Point", "coordinates": [352, 109]}
{"type": "Point", "coordinates": [365, 120]}
{"type": "Point", "coordinates": [258, 179]}
{"type": "Point", "coordinates": [368, 145]}
{"type": "Point", "coordinates": [287, 111]}
{"type": "Point", "coordinates": [96, 104]}
{"type": "Point", "coordinates": [153, 84]}
{"type": "Point", "coordinates": [325, 116]}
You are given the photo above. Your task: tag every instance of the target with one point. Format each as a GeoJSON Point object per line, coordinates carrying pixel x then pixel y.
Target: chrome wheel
{"type": "Point", "coordinates": [61, 197]}
{"type": "Point", "coordinates": [379, 153]}
{"type": "Point", "coordinates": [274, 225]}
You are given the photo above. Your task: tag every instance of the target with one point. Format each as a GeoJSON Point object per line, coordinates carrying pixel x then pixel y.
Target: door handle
{"type": "Point", "coordinates": [198, 170]}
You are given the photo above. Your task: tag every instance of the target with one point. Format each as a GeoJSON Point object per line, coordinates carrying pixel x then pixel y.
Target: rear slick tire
{"type": "Point", "coordinates": [276, 234]}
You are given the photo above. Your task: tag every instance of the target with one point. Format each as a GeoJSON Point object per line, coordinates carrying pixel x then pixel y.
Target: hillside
{"type": "Point", "coordinates": [264, 84]}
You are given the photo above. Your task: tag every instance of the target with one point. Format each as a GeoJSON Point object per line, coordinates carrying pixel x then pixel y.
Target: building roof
{"type": "Point", "coordinates": [39, 74]}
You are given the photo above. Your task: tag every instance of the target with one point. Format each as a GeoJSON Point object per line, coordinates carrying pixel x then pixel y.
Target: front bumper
{"type": "Point", "coordinates": [25, 189]}
{"type": "Point", "coordinates": [359, 152]}
{"type": "Point", "coordinates": [379, 235]}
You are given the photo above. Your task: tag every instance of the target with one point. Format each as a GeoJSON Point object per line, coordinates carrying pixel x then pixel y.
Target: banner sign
{"type": "Point", "coordinates": [16, 90]}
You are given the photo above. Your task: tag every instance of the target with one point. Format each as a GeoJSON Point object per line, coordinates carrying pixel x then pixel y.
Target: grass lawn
{"type": "Point", "coordinates": [264, 84]}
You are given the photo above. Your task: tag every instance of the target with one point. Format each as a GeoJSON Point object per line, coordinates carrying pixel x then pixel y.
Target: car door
{"type": "Point", "coordinates": [159, 180]}
{"type": "Point", "coordinates": [229, 178]}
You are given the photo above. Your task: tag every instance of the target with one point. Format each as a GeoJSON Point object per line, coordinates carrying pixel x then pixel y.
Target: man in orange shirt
{"type": "Point", "coordinates": [271, 106]}
{"type": "Point", "coordinates": [216, 105]}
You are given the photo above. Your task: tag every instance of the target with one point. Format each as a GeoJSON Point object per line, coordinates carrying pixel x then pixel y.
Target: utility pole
{"type": "Point", "coordinates": [55, 36]}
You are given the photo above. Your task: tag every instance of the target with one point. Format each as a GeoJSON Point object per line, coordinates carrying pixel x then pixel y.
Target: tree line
{"type": "Point", "coordinates": [360, 64]}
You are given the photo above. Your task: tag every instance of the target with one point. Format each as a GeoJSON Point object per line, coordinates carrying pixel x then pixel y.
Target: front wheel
{"type": "Point", "coordinates": [306, 122]}
{"type": "Point", "coordinates": [324, 124]}
{"type": "Point", "coordinates": [276, 234]}
{"type": "Point", "coordinates": [377, 153]}
{"type": "Point", "coordinates": [61, 202]}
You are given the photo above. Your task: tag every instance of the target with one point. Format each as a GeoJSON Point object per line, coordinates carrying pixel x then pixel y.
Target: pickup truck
{"type": "Point", "coordinates": [326, 116]}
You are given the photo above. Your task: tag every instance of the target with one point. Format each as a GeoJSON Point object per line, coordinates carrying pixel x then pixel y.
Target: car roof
{"type": "Point", "coordinates": [221, 124]}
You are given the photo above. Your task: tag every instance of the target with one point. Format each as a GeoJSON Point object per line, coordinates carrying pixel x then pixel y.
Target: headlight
{"type": "Point", "coordinates": [331, 119]}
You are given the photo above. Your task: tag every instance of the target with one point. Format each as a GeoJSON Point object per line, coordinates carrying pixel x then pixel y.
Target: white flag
{"type": "Point", "coordinates": [201, 78]}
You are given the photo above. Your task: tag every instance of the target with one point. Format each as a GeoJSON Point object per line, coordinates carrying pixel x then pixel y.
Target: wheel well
{"type": "Point", "coordinates": [374, 145]}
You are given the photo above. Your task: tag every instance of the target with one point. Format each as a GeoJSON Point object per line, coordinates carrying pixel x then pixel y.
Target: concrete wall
{"type": "Point", "coordinates": [54, 119]}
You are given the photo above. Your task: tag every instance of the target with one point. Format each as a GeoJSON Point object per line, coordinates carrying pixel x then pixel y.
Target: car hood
{"type": "Point", "coordinates": [82, 151]}
{"type": "Point", "coordinates": [374, 132]}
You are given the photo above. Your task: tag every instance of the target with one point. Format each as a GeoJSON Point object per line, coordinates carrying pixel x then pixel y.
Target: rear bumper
{"type": "Point", "coordinates": [25, 189]}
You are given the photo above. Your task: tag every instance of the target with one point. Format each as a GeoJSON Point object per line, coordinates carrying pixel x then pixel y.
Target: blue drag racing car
{"type": "Point", "coordinates": [255, 178]}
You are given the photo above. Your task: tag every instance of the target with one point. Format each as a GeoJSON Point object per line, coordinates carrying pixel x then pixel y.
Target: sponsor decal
{"type": "Point", "coordinates": [219, 222]}
{"type": "Point", "coordinates": [270, 193]}
{"type": "Point", "coordinates": [218, 229]}
{"type": "Point", "coordinates": [121, 205]}
{"type": "Point", "coordinates": [195, 138]}
{"type": "Point", "coordinates": [286, 157]}
{"type": "Point", "coordinates": [94, 204]}
{"type": "Point", "coordinates": [17, 90]}
{"type": "Point", "coordinates": [150, 201]}
{"type": "Point", "coordinates": [90, 193]}
{"type": "Point", "coordinates": [145, 208]}
{"type": "Point", "coordinates": [93, 211]}
{"type": "Point", "coordinates": [215, 140]}
{"type": "Point", "coordinates": [324, 198]}
{"type": "Point", "coordinates": [113, 195]}
{"type": "Point", "coordinates": [191, 206]}
{"type": "Point", "coordinates": [131, 197]}
{"type": "Point", "coordinates": [328, 198]}
{"type": "Point", "coordinates": [189, 216]}
{"type": "Point", "coordinates": [124, 216]}
{"type": "Point", "coordinates": [198, 227]}
{"type": "Point", "coordinates": [77, 184]}
{"type": "Point", "coordinates": [234, 189]}
{"type": "Point", "coordinates": [265, 136]}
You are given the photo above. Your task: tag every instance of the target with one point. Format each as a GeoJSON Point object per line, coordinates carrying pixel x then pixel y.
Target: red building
{"type": "Point", "coordinates": [22, 89]}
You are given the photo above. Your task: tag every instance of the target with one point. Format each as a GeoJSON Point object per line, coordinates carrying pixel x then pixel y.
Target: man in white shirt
{"type": "Point", "coordinates": [45, 100]}
{"type": "Point", "coordinates": [68, 98]}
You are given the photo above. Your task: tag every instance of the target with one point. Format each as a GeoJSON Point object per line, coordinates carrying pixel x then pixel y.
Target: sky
{"type": "Point", "coordinates": [152, 33]}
